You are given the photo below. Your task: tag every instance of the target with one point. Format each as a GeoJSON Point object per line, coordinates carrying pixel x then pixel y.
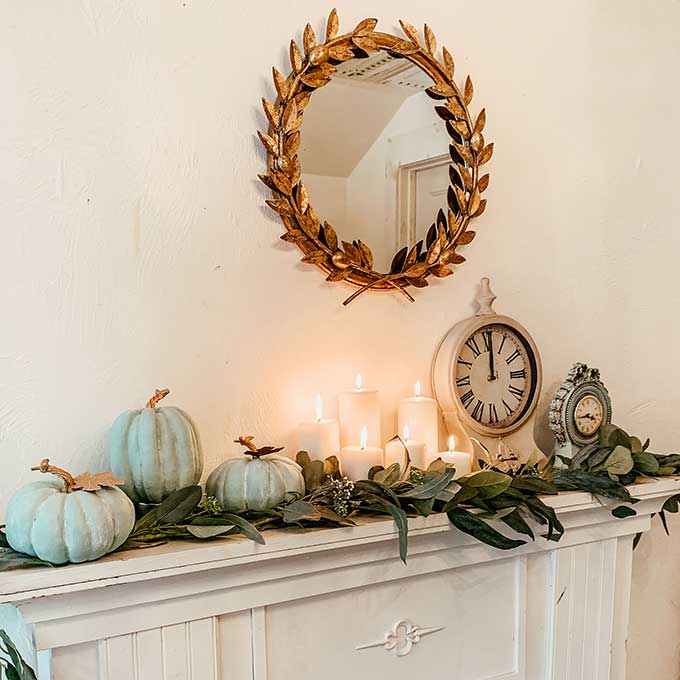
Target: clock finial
{"type": "Point", "coordinates": [485, 298]}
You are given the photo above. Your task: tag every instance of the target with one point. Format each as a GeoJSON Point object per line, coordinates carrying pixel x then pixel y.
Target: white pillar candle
{"type": "Point", "coordinates": [359, 408]}
{"type": "Point", "coordinates": [357, 460]}
{"type": "Point", "coordinates": [459, 459]}
{"type": "Point", "coordinates": [420, 414]}
{"type": "Point", "coordinates": [320, 437]}
{"type": "Point", "coordinates": [394, 451]}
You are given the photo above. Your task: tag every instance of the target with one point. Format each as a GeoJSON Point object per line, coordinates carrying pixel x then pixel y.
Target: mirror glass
{"type": "Point", "coordinates": [374, 155]}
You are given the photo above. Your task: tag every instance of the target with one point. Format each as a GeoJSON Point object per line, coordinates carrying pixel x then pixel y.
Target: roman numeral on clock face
{"type": "Point", "coordinates": [508, 410]}
{"type": "Point", "coordinates": [493, 415]}
{"type": "Point", "coordinates": [518, 374]}
{"type": "Point", "coordinates": [467, 398]}
{"type": "Point", "coordinates": [472, 344]}
{"type": "Point", "coordinates": [515, 391]}
{"type": "Point", "coordinates": [500, 348]}
{"type": "Point", "coordinates": [512, 357]}
{"type": "Point", "coordinates": [462, 382]}
{"type": "Point", "coordinates": [487, 337]}
{"type": "Point", "coordinates": [478, 411]}
{"type": "Point", "coordinates": [464, 363]}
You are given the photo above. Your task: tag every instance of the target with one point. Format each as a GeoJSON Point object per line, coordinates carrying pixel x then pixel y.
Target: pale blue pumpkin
{"type": "Point", "coordinates": [245, 483]}
{"type": "Point", "coordinates": [46, 521]}
{"type": "Point", "coordinates": [155, 450]}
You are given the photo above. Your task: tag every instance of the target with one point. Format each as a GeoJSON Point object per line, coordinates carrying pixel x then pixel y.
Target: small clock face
{"type": "Point", "coordinates": [495, 376]}
{"type": "Point", "coordinates": [588, 415]}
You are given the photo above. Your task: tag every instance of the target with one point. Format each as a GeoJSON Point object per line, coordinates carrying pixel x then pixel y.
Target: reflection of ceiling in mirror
{"type": "Point", "coordinates": [344, 118]}
{"type": "Point", "coordinates": [382, 69]}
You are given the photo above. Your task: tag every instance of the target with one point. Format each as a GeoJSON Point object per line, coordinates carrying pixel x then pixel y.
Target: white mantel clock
{"type": "Point", "coordinates": [579, 410]}
{"type": "Point", "coordinates": [487, 372]}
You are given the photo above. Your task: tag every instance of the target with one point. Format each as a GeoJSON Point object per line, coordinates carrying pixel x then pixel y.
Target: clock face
{"type": "Point", "coordinates": [588, 415]}
{"type": "Point", "coordinates": [496, 376]}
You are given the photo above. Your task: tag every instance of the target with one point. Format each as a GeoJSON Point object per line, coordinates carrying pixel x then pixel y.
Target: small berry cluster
{"type": "Point", "coordinates": [341, 492]}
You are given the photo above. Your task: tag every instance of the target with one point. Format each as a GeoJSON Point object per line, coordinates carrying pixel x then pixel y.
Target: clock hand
{"type": "Point", "coordinates": [492, 368]}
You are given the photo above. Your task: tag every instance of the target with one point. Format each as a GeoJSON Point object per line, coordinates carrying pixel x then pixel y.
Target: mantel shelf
{"type": "Point", "coordinates": [185, 557]}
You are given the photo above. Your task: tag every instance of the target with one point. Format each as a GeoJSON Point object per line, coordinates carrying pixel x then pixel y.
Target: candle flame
{"type": "Point", "coordinates": [451, 444]}
{"type": "Point", "coordinates": [357, 381]}
{"type": "Point", "coordinates": [407, 433]}
{"type": "Point", "coordinates": [319, 408]}
{"type": "Point", "coordinates": [363, 441]}
{"type": "Point", "coordinates": [417, 388]}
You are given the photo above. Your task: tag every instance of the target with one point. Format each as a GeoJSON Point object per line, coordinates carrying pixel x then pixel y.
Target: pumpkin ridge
{"type": "Point", "coordinates": [105, 496]}
{"type": "Point", "coordinates": [281, 480]}
{"type": "Point", "coordinates": [148, 453]}
{"type": "Point", "coordinates": [181, 449]}
{"type": "Point", "coordinates": [97, 518]}
{"type": "Point", "coordinates": [134, 458]}
{"type": "Point", "coordinates": [165, 453]}
{"type": "Point", "coordinates": [75, 516]}
{"type": "Point", "coordinates": [48, 524]}
{"type": "Point", "coordinates": [119, 451]}
{"type": "Point", "coordinates": [20, 521]}
{"type": "Point", "coordinates": [244, 489]}
{"type": "Point", "coordinates": [195, 446]}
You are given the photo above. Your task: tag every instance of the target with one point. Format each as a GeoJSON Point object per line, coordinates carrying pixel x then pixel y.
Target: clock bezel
{"type": "Point", "coordinates": [589, 388]}
{"type": "Point", "coordinates": [444, 368]}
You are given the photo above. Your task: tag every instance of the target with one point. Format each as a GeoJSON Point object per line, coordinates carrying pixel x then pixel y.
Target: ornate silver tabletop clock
{"type": "Point", "coordinates": [580, 408]}
{"type": "Point", "coordinates": [487, 370]}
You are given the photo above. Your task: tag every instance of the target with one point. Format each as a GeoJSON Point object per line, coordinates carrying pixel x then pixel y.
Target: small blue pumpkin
{"type": "Point", "coordinates": [155, 450]}
{"type": "Point", "coordinates": [260, 481]}
{"type": "Point", "coordinates": [59, 521]}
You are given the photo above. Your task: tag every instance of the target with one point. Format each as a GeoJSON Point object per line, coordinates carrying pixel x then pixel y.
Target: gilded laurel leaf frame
{"type": "Point", "coordinates": [352, 262]}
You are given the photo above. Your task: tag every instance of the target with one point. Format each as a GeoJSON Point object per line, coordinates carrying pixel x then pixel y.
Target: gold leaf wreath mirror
{"type": "Point", "coordinates": [388, 174]}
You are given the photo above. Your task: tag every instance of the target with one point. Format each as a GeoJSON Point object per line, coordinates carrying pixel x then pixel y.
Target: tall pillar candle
{"type": "Point", "coordinates": [420, 414]}
{"type": "Point", "coordinates": [359, 408]}
{"type": "Point", "coordinates": [394, 451]}
{"type": "Point", "coordinates": [320, 437]}
{"type": "Point", "coordinates": [357, 459]}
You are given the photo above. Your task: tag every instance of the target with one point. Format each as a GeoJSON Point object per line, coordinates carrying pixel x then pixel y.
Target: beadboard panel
{"type": "Point", "coordinates": [217, 648]}
{"type": "Point", "coordinates": [396, 629]}
{"type": "Point", "coordinates": [585, 578]}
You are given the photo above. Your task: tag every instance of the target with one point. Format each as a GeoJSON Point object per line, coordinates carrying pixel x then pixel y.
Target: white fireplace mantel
{"type": "Point", "coordinates": [338, 603]}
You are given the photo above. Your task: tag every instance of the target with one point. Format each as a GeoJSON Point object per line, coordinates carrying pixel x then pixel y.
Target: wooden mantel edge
{"type": "Point", "coordinates": [576, 509]}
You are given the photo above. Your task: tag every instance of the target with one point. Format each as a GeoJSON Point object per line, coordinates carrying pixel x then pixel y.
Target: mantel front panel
{"type": "Point", "coordinates": [464, 624]}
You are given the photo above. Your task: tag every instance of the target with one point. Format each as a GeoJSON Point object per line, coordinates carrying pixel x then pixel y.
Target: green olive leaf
{"type": "Point", "coordinates": [488, 483]}
{"type": "Point", "coordinates": [646, 464]}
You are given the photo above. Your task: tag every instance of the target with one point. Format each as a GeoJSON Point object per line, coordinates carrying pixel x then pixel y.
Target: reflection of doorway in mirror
{"type": "Point", "coordinates": [422, 187]}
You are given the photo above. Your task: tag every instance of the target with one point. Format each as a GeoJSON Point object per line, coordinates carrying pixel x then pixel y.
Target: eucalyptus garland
{"type": "Point", "coordinates": [501, 505]}
{"type": "Point", "coordinates": [12, 664]}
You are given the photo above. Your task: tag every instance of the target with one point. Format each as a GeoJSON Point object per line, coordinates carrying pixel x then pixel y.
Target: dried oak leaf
{"type": "Point", "coordinates": [89, 482]}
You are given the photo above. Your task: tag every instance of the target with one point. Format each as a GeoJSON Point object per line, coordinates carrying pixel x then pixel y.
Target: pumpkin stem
{"type": "Point", "coordinates": [158, 395]}
{"type": "Point", "coordinates": [255, 451]}
{"type": "Point", "coordinates": [45, 466]}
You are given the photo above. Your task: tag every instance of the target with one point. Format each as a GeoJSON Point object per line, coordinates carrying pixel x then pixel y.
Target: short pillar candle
{"type": "Point", "coordinates": [459, 459]}
{"type": "Point", "coordinates": [394, 451]}
{"type": "Point", "coordinates": [357, 460]}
